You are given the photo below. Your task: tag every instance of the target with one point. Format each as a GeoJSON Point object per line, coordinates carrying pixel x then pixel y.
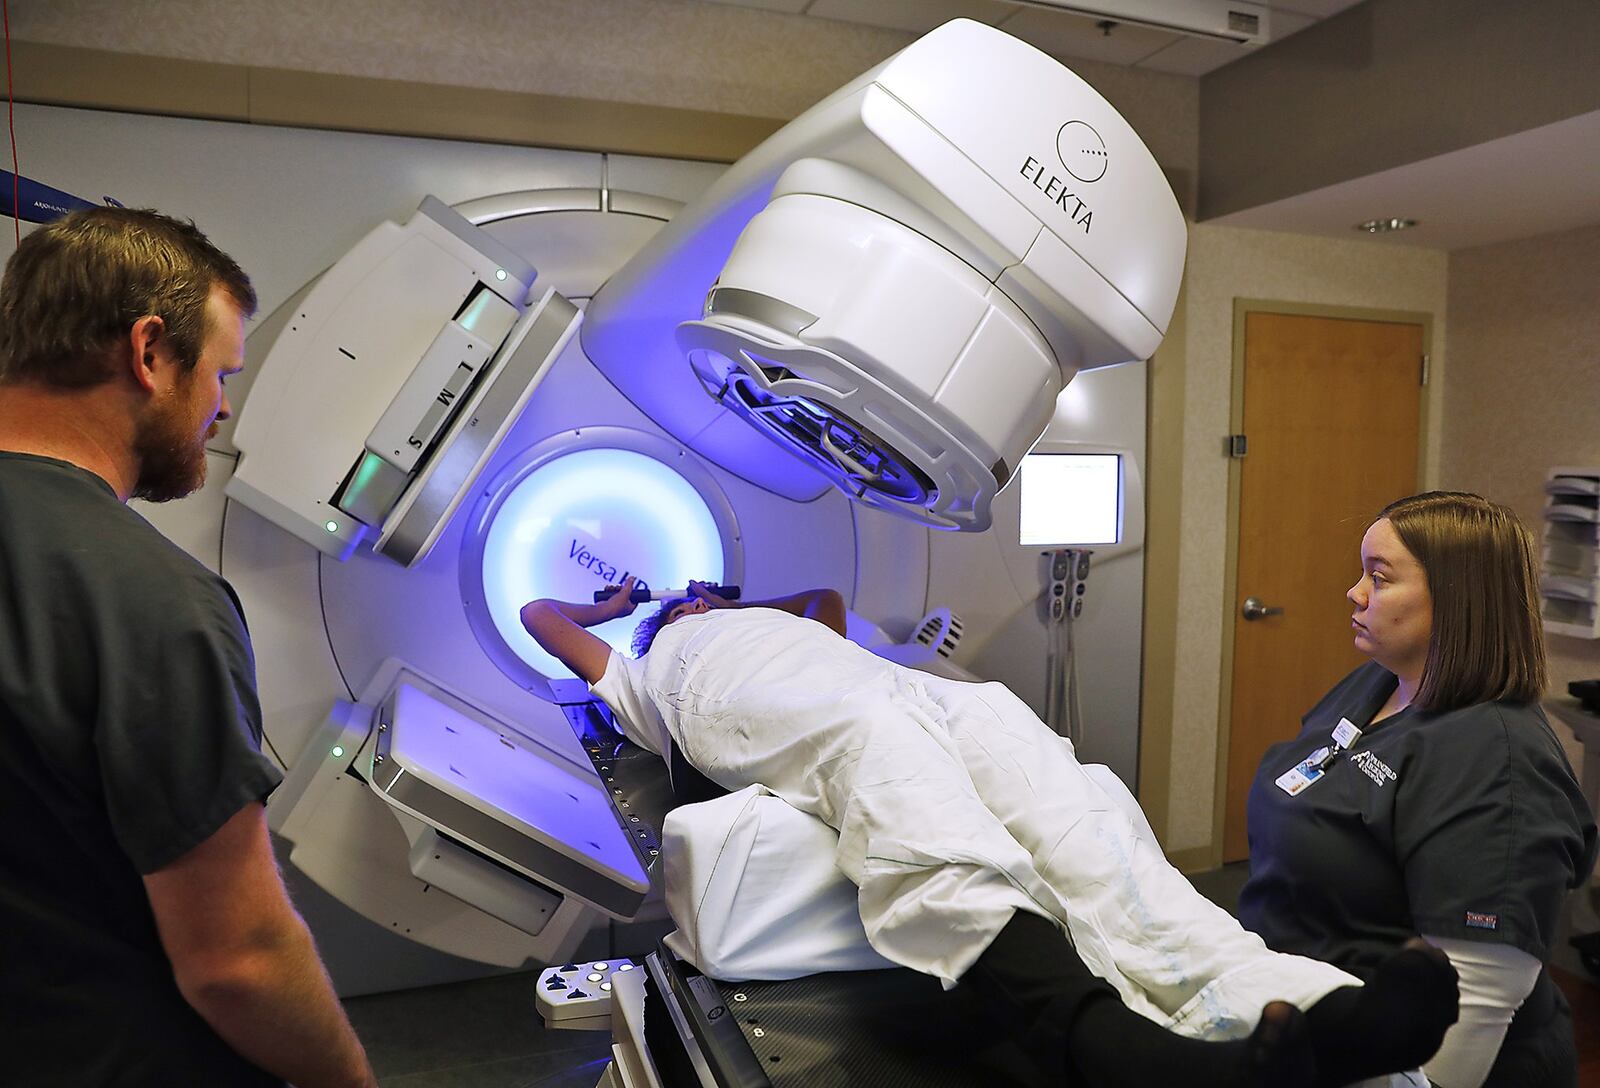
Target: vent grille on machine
{"type": "Point", "coordinates": [941, 630]}
{"type": "Point", "coordinates": [842, 449]}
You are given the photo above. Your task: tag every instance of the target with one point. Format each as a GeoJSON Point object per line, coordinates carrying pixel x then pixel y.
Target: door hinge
{"type": "Point", "coordinates": [1424, 370]}
{"type": "Point", "coordinates": [1235, 445]}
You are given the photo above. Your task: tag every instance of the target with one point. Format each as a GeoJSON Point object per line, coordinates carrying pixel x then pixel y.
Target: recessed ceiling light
{"type": "Point", "coordinates": [1378, 226]}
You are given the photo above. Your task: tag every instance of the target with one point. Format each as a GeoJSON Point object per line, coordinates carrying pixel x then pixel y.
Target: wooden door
{"type": "Point", "coordinates": [1331, 416]}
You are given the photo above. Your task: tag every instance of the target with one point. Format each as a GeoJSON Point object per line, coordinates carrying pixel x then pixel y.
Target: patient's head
{"type": "Point", "coordinates": [644, 636]}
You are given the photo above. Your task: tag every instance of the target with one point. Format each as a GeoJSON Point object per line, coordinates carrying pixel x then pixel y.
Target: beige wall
{"type": "Point", "coordinates": [1225, 264]}
{"type": "Point", "coordinates": [676, 53]}
{"type": "Point", "coordinates": [658, 53]}
{"type": "Point", "coordinates": [1524, 389]}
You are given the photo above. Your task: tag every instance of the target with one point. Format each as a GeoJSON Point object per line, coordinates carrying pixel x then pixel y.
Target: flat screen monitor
{"type": "Point", "coordinates": [1070, 499]}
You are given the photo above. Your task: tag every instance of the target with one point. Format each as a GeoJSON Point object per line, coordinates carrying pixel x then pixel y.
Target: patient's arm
{"type": "Point", "coordinates": [558, 626]}
{"type": "Point", "coordinates": [826, 606]}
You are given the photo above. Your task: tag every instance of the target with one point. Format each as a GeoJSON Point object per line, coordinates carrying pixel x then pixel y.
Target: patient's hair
{"type": "Point", "coordinates": [1483, 575]}
{"type": "Point", "coordinates": [644, 635]}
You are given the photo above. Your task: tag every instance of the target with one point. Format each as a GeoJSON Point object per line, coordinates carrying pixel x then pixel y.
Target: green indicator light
{"type": "Point", "coordinates": [499, 273]}
{"type": "Point", "coordinates": [332, 526]}
{"type": "Point", "coordinates": [338, 749]}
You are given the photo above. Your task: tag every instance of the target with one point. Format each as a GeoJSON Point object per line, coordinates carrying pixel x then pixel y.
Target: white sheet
{"type": "Point", "coordinates": [752, 887]}
{"type": "Point", "coordinates": [956, 806]}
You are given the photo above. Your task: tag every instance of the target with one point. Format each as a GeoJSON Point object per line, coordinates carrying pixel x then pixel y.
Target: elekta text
{"type": "Point", "coordinates": [1056, 191]}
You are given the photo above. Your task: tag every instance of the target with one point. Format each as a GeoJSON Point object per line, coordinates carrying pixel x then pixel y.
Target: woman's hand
{"type": "Point", "coordinates": [619, 603]}
{"type": "Point", "coordinates": [699, 592]}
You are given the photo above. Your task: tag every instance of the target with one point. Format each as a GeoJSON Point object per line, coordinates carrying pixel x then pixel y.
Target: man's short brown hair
{"type": "Point", "coordinates": [76, 286]}
{"type": "Point", "coordinates": [1483, 574]}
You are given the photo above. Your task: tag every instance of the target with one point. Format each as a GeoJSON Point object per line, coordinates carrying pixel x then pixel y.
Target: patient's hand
{"type": "Point", "coordinates": [618, 603]}
{"type": "Point", "coordinates": [699, 591]}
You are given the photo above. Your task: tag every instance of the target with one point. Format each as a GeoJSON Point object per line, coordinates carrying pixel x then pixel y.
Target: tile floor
{"type": "Point", "coordinates": [479, 1034]}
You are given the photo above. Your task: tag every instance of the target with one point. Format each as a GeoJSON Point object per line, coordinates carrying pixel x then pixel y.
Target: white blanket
{"type": "Point", "coordinates": [752, 887]}
{"type": "Point", "coordinates": [955, 806]}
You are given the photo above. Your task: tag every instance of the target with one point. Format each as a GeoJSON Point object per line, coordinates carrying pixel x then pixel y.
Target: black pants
{"type": "Point", "coordinates": [1034, 982]}
{"type": "Point", "coordinates": [1539, 1049]}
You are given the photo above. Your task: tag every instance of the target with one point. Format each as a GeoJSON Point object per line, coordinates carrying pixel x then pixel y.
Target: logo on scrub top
{"type": "Point", "coordinates": [1373, 767]}
{"type": "Point", "coordinates": [1082, 154]}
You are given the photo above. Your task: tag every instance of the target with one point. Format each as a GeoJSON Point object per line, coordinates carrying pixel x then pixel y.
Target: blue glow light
{"type": "Point", "coordinates": [582, 520]}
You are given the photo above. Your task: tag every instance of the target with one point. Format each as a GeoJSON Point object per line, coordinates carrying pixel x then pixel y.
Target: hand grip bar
{"type": "Point", "coordinates": [640, 596]}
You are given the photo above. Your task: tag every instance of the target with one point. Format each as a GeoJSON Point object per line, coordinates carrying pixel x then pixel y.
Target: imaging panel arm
{"type": "Point", "coordinates": [385, 396]}
{"type": "Point", "coordinates": [412, 801]}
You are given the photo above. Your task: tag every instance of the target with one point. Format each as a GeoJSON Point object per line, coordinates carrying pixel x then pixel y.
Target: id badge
{"type": "Point", "coordinates": [1303, 774]}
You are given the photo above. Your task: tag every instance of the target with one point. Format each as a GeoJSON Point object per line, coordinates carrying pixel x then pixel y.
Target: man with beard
{"type": "Point", "coordinates": [148, 938]}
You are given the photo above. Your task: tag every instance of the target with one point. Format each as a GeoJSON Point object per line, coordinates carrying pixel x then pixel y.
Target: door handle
{"type": "Point", "coordinates": [1255, 610]}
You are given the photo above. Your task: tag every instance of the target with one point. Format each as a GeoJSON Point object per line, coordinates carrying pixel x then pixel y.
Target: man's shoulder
{"type": "Point", "coordinates": [54, 484]}
{"type": "Point", "coordinates": [79, 527]}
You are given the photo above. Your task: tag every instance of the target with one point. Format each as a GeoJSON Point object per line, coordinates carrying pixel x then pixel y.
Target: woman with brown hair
{"type": "Point", "coordinates": [1426, 793]}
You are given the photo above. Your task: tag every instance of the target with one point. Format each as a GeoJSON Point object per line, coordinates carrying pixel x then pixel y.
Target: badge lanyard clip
{"type": "Point", "coordinates": [1345, 735]}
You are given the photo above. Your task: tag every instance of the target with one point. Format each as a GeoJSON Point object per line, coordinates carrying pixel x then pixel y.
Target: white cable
{"type": "Point", "coordinates": [1052, 682]}
{"type": "Point", "coordinates": [1074, 693]}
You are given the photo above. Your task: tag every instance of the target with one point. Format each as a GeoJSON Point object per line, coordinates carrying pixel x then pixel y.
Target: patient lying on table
{"type": "Point", "coordinates": [984, 855]}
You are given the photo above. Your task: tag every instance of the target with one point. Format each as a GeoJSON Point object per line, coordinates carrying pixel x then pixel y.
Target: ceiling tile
{"type": "Point", "coordinates": [1193, 56]}
{"type": "Point", "coordinates": [793, 7]}
{"type": "Point", "coordinates": [1281, 24]}
{"type": "Point", "coordinates": [1539, 181]}
{"type": "Point", "coordinates": [1197, 56]}
{"type": "Point", "coordinates": [1066, 34]}
{"type": "Point", "coordinates": [916, 16]}
{"type": "Point", "coordinates": [1316, 9]}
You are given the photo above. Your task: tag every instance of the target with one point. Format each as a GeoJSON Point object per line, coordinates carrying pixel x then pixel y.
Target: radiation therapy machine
{"type": "Point", "coordinates": [858, 331]}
